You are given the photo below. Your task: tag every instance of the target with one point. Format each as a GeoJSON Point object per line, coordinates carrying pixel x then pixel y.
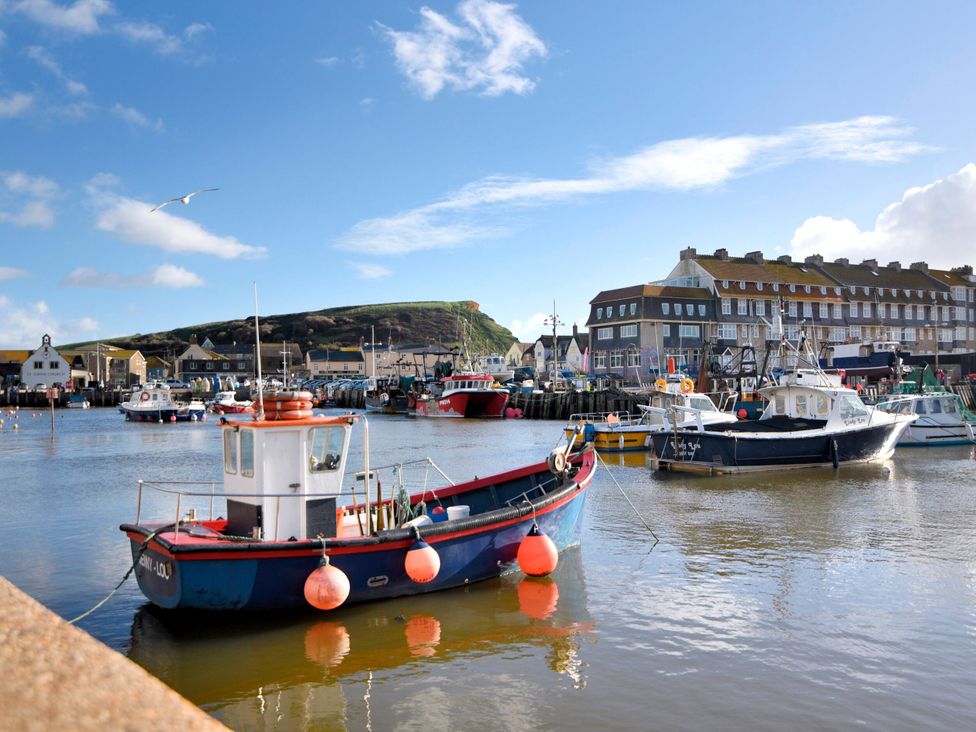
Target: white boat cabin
{"type": "Point", "coordinates": [283, 478]}
{"type": "Point", "coordinates": [814, 395]}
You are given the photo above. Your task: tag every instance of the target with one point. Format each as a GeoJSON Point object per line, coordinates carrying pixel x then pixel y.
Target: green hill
{"type": "Point", "coordinates": [398, 323]}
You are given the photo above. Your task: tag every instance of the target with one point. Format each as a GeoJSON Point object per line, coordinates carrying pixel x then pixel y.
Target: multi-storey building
{"type": "Point", "coordinates": [729, 303]}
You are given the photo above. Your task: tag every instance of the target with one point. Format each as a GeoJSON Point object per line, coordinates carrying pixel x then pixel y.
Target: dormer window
{"type": "Point", "coordinates": [742, 284]}
{"type": "Point", "coordinates": [725, 284]}
{"type": "Point", "coordinates": [759, 286]}
{"type": "Point", "coordinates": [865, 290]}
{"type": "Point", "coordinates": [776, 287]}
{"type": "Point", "coordinates": [823, 290]}
{"type": "Point", "coordinates": [807, 289]}
{"type": "Point", "coordinates": [599, 313]}
{"type": "Point", "coordinates": [666, 308]}
{"type": "Point", "coordinates": [853, 290]}
{"type": "Point", "coordinates": [837, 291]}
{"type": "Point", "coordinates": [932, 294]}
{"type": "Point", "coordinates": [792, 288]}
{"type": "Point", "coordinates": [920, 294]}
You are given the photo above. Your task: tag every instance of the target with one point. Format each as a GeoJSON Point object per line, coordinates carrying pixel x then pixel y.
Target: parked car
{"type": "Point", "coordinates": [40, 387]}
{"type": "Point", "coordinates": [176, 383]}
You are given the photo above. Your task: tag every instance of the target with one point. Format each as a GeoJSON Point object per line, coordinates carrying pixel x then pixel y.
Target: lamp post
{"type": "Point", "coordinates": [554, 321]}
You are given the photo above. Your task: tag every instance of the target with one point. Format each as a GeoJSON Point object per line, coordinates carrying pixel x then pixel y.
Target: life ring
{"type": "Point", "coordinates": [687, 385]}
{"type": "Point", "coordinates": [145, 396]}
{"type": "Point", "coordinates": [288, 406]}
{"type": "Point", "coordinates": [293, 414]}
{"type": "Point", "coordinates": [661, 385]}
{"type": "Point", "coordinates": [288, 396]}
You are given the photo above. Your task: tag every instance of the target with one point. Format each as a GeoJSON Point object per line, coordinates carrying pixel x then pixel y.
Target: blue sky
{"type": "Point", "coordinates": [511, 154]}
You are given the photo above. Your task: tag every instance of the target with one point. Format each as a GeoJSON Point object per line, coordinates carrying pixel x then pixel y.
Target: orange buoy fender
{"type": "Point", "coordinates": [537, 554]}
{"type": "Point", "coordinates": [422, 562]}
{"type": "Point", "coordinates": [327, 587]}
{"type": "Point", "coordinates": [294, 414]}
{"type": "Point", "coordinates": [287, 406]}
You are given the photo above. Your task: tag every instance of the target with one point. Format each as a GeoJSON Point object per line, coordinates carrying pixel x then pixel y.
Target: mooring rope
{"type": "Point", "coordinates": [142, 548]}
{"type": "Point", "coordinates": [620, 488]}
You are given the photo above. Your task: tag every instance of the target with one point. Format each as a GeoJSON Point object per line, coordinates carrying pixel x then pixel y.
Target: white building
{"type": "Point", "coordinates": [45, 366]}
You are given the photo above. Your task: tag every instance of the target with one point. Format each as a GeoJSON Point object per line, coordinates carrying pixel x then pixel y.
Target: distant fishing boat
{"type": "Point", "coordinates": [286, 531]}
{"type": "Point", "coordinates": [78, 401]}
{"type": "Point", "coordinates": [226, 402]}
{"type": "Point", "coordinates": [461, 394]}
{"type": "Point", "coordinates": [155, 403]}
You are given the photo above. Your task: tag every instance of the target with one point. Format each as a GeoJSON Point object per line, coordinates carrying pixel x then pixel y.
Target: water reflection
{"type": "Point", "coordinates": [229, 665]}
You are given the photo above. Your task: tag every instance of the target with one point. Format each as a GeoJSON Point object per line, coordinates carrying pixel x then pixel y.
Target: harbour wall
{"type": "Point", "coordinates": [59, 677]}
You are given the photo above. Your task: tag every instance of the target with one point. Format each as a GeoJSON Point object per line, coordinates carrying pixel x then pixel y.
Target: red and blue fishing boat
{"type": "Point", "coordinates": [294, 534]}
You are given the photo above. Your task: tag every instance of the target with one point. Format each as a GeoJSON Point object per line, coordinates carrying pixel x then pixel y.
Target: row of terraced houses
{"type": "Point", "coordinates": [729, 301]}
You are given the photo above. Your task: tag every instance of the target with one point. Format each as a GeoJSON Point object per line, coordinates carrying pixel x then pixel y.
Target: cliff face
{"type": "Point", "coordinates": [399, 323]}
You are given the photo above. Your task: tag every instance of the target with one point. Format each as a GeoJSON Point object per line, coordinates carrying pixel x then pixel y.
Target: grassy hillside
{"type": "Point", "coordinates": [399, 323]}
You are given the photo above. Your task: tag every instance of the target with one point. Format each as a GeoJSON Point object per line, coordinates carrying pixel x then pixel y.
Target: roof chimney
{"type": "Point", "coordinates": [785, 259]}
{"type": "Point", "coordinates": [842, 261]}
{"type": "Point", "coordinates": [815, 260]}
{"type": "Point", "coordinates": [689, 253]}
{"type": "Point", "coordinates": [754, 257]}
{"type": "Point", "coordinates": [722, 254]}
{"type": "Point", "coordinates": [871, 264]}
{"type": "Point", "coordinates": [966, 269]}
{"type": "Point", "coordinates": [895, 266]}
{"type": "Point", "coordinates": [920, 266]}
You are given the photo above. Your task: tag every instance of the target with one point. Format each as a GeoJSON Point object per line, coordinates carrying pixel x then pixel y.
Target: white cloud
{"type": "Point", "coordinates": [3, 37]}
{"type": "Point", "coordinates": [80, 17]}
{"type": "Point", "coordinates": [166, 275]}
{"type": "Point", "coordinates": [11, 273]}
{"type": "Point", "coordinates": [531, 328]}
{"type": "Point", "coordinates": [151, 34]}
{"type": "Point", "coordinates": [37, 190]}
{"type": "Point", "coordinates": [935, 223]}
{"type": "Point", "coordinates": [14, 105]}
{"type": "Point", "coordinates": [369, 270]}
{"type": "Point", "coordinates": [23, 326]}
{"type": "Point", "coordinates": [134, 117]}
{"type": "Point", "coordinates": [485, 51]}
{"type": "Point", "coordinates": [42, 57]}
{"type": "Point", "coordinates": [681, 165]}
{"type": "Point", "coordinates": [327, 61]}
{"type": "Point", "coordinates": [132, 221]}
{"type": "Point", "coordinates": [195, 29]}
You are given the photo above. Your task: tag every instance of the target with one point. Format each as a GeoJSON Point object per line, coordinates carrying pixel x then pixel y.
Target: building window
{"type": "Point", "coordinates": [727, 331]}
{"type": "Point", "coordinates": [853, 290]}
{"type": "Point", "coordinates": [628, 331]}
{"type": "Point", "coordinates": [616, 360]}
{"type": "Point", "coordinates": [701, 310]}
{"type": "Point", "coordinates": [633, 359]}
{"type": "Point", "coordinates": [39, 365]}
{"type": "Point", "coordinates": [838, 334]}
{"type": "Point", "coordinates": [808, 310]}
{"type": "Point", "coordinates": [678, 309]}
{"type": "Point", "coordinates": [726, 306]}
{"type": "Point", "coordinates": [666, 308]}
{"type": "Point", "coordinates": [745, 331]}
{"type": "Point", "coordinates": [742, 285]}
{"type": "Point", "coordinates": [622, 310]}
{"type": "Point", "coordinates": [960, 315]}
{"type": "Point", "coordinates": [838, 312]}
{"type": "Point", "coordinates": [855, 331]}
{"type": "Point", "coordinates": [853, 307]}
{"type": "Point", "coordinates": [604, 334]}
{"type": "Point", "coordinates": [776, 287]}
{"type": "Point", "coordinates": [633, 308]}
{"type": "Point", "coordinates": [792, 308]}
{"type": "Point", "coordinates": [666, 330]}
{"type": "Point", "coordinates": [865, 310]}
{"type": "Point", "coordinates": [909, 312]}
{"type": "Point", "coordinates": [909, 335]}
{"type": "Point", "coordinates": [806, 289]}
{"type": "Point", "coordinates": [760, 307]}
{"type": "Point", "coordinates": [54, 364]}
{"type": "Point", "coordinates": [725, 284]}
{"type": "Point", "coordinates": [824, 311]}
{"type": "Point", "coordinates": [599, 360]}
{"type": "Point", "coordinates": [759, 286]}
{"type": "Point", "coordinates": [226, 366]}
{"type": "Point", "coordinates": [792, 288]}
{"type": "Point", "coordinates": [599, 313]}
{"type": "Point", "coordinates": [743, 306]}
{"type": "Point", "coordinates": [691, 331]}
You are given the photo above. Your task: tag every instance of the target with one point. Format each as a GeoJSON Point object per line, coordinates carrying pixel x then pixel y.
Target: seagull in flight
{"type": "Point", "coordinates": [182, 199]}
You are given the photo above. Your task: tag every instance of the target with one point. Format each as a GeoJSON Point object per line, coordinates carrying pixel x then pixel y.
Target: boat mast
{"type": "Point", "coordinates": [259, 414]}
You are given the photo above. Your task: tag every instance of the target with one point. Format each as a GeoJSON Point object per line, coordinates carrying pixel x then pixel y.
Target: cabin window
{"type": "Point", "coordinates": [325, 450]}
{"type": "Point", "coordinates": [851, 407]}
{"type": "Point", "coordinates": [155, 397]}
{"type": "Point", "coordinates": [247, 454]}
{"type": "Point", "coordinates": [230, 451]}
{"type": "Point", "coordinates": [822, 406]}
{"type": "Point", "coordinates": [702, 404]}
{"type": "Point", "coordinates": [801, 405]}
{"type": "Point", "coordinates": [780, 404]}
{"type": "Point", "coordinates": [949, 406]}
{"type": "Point", "coordinates": [920, 407]}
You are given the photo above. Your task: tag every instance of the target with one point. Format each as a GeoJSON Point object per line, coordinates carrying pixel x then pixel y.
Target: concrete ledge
{"type": "Point", "coordinates": [59, 677]}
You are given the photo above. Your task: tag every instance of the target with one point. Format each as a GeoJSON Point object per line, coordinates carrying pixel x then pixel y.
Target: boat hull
{"type": "Point", "coordinates": [731, 452]}
{"type": "Point", "coordinates": [185, 573]}
{"type": "Point", "coordinates": [464, 405]}
{"type": "Point", "coordinates": [937, 435]}
{"type": "Point", "coordinates": [394, 404]}
{"type": "Point", "coordinates": [165, 414]}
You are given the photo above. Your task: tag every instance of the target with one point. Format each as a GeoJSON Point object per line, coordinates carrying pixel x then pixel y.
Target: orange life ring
{"type": "Point", "coordinates": [687, 385]}
{"type": "Point", "coordinates": [288, 406]}
{"type": "Point", "coordinates": [292, 414]}
{"type": "Point", "coordinates": [288, 396]}
{"type": "Point", "coordinates": [661, 385]}
{"type": "Point", "coordinates": [145, 396]}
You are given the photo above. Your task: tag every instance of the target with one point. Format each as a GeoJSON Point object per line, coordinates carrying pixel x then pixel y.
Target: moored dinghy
{"type": "Point", "coordinates": [283, 480]}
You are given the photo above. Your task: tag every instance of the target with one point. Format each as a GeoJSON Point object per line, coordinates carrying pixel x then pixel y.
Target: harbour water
{"type": "Point", "coordinates": [810, 600]}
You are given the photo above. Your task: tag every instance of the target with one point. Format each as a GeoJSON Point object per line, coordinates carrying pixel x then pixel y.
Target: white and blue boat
{"type": "Point", "coordinates": [942, 419]}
